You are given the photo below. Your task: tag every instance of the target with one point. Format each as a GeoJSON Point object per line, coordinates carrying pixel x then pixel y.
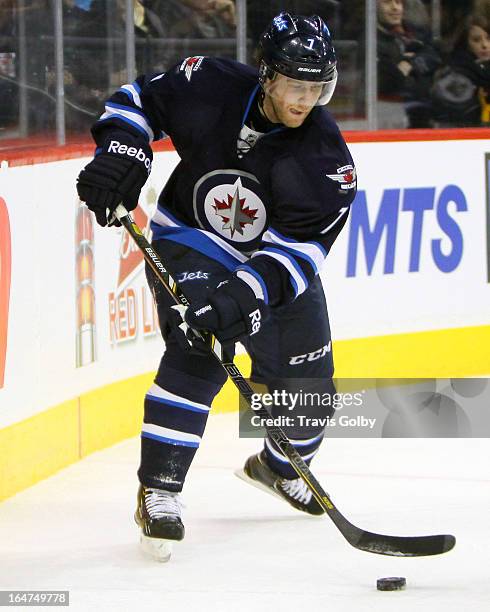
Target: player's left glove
{"type": "Point", "coordinates": [230, 313]}
{"type": "Point", "coordinates": [116, 174]}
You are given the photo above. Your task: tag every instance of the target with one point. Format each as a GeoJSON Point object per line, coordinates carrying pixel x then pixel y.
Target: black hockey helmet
{"type": "Point", "coordinates": [300, 48]}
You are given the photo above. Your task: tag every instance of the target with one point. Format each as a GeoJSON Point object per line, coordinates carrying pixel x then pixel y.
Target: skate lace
{"type": "Point", "coordinates": [162, 503]}
{"type": "Point", "coordinates": [297, 489]}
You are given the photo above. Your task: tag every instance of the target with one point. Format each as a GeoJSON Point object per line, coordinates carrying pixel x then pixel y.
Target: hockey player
{"type": "Point", "coordinates": [245, 222]}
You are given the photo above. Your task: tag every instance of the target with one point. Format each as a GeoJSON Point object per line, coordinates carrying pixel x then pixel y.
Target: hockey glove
{"type": "Point", "coordinates": [188, 340]}
{"type": "Point", "coordinates": [231, 312]}
{"type": "Point", "coordinates": [116, 174]}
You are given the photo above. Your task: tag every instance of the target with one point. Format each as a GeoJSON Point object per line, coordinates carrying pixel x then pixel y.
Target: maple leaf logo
{"type": "Point", "coordinates": [235, 215]}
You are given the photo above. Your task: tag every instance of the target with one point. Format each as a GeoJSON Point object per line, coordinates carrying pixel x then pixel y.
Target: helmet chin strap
{"type": "Point", "coordinates": [261, 104]}
{"type": "Point", "coordinates": [262, 110]}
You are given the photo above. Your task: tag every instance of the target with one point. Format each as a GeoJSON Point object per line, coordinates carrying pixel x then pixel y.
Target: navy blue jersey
{"type": "Point", "coordinates": [274, 202]}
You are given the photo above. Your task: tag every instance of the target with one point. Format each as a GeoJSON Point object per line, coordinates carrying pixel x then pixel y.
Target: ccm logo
{"type": "Point", "coordinates": [122, 149]}
{"type": "Point", "coordinates": [313, 356]}
{"type": "Point", "coordinates": [5, 268]}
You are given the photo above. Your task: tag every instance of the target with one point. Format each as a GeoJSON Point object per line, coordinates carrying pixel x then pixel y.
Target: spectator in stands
{"type": "Point", "coordinates": [84, 86]}
{"type": "Point", "coordinates": [146, 22]}
{"type": "Point", "coordinates": [417, 14]}
{"type": "Point", "coordinates": [406, 63]}
{"type": "Point", "coordinates": [461, 90]}
{"type": "Point", "coordinates": [482, 7]}
{"type": "Point", "coordinates": [454, 13]}
{"type": "Point", "coordinates": [148, 29]}
{"type": "Point", "coordinates": [109, 22]}
{"type": "Point", "coordinates": [196, 18]}
{"type": "Point", "coordinates": [81, 103]}
{"type": "Point", "coordinates": [186, 20]}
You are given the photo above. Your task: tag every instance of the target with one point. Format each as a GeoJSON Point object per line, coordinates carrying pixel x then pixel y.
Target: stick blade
{"type": "Point", "coordinates": [400, 546]}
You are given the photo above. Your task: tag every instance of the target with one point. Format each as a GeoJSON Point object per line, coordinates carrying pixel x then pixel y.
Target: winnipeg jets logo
{"type": "Point", "coordinates": [235, 213]}
{"type": "Point", "coordinates": [346, 176]}
{"type": "Point", "coordinates": [190, 65]}
{"type": "Point", "coordinates": [229, 203]}
{"type": "Point", "coordinates": [280, 23]}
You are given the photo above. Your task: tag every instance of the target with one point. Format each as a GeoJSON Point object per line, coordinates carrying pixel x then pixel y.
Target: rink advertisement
{"type": "Point", "coordinates": [132, 312]}
{"type": "Point", "coordinates": [80, 315]}
{"type": "Point", "coordinates": [487, 193]}
{"type": "Point", "coordinates": [5, 268]}
{"type": "Point", "coordinates": [415, 237]}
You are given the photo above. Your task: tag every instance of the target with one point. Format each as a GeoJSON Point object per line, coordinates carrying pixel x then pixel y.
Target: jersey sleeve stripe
{"type": "Point", "coordinates": [297, 277]}
{"type": "Point", "coordinates": [254, 281]}
{"type": "Point", "coordinates": [157, 77]}
{"type": "Point", "coordinates": [310, 251]}
{"type": "Point", "coordinates": [292, 243]}
{"type": "Point", "coordinates": [132, 117]}
{"type": "Point", "coordinates": [341, 214]}
{"type": "Point", "coordinates": [127, 109]}
{"type": "Point", "coordinates": [133, 93]}
{"type": "Point", "coordinates": [108, 117]}
{"type": "Point", "coordinates": [281, 238]}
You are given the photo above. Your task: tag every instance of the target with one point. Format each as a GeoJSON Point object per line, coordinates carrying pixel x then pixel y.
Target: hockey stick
{"type": "Point", "coordinates": [398, 546]}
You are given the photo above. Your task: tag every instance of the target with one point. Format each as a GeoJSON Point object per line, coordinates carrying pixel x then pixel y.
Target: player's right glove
{"type": "Point", "coordinates": [117, 173]}
{"type": "Point", "coordinates": [231, 312]}
{"type": "Point", "coordinates": [189, 341]}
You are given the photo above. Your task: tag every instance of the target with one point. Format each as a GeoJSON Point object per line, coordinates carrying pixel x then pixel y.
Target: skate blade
{"type": "Point", "coordinates": [157, 548]}
{"type": "Point", "coordinates": [255, 483]}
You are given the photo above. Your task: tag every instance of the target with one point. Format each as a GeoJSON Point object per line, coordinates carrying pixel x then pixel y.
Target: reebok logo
{"type": "Point", "coordinates": [138, 154]}
{"type": "Point", "coordinates": [255, 318]}
{"type": "Point", "coordinates": [202, 310]}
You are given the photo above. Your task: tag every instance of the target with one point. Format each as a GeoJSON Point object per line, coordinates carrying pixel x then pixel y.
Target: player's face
{"type": "Point", "coordinates": [479, 43]}
{"type": "Point", "coordinates": [390, 12]}
{"type": "Point", "coordinates": [289, 101]}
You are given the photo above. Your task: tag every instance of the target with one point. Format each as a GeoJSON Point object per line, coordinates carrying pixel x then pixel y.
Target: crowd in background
{"type": "Point", "coordinates": [425, 82]}
{"type": "Point", "coordinates": [426, 78]}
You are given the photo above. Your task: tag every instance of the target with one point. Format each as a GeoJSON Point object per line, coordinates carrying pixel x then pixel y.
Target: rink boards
{"type": "Point", "coordinates": [407, 285]}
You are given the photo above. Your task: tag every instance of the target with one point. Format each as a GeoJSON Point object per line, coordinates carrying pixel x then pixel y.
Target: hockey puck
{"type": "Point", "coordinates": [394, 583]}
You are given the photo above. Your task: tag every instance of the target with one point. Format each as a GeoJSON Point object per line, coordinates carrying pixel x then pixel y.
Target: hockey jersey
{"type": "Point", "coordinates": [270, 205]}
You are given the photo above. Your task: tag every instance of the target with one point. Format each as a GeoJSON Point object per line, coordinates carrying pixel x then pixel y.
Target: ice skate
{"type": "Point", "coordinates": [159, 515]}
{"type": "Point", "coordinates": [257, 473]}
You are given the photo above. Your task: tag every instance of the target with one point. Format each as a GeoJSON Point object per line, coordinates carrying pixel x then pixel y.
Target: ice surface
{"type": "Point", "coordinates": [245, 550]}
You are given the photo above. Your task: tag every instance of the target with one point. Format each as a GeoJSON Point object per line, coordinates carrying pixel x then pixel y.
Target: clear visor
{"type": "Point", "coordinates": [304, 94]}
